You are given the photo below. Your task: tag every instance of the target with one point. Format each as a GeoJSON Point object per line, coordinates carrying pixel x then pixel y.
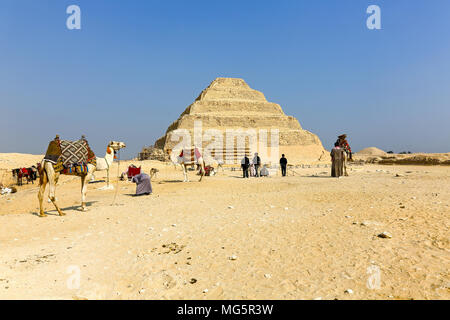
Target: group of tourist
{"type": "Point", "coordinates": [255, 164]}
{"type": "Point", "coordinates": [339, 154]}
{"type": "Point", "coordinates": [253, 167]}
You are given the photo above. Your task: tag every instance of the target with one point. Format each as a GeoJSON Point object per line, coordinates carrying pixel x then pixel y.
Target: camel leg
{"type": "Point", "coordinates": [52, 181]}
{"type": "Point", "coordinates": [83, 192]}
{"type": "Point", "coordinates": [186, 178]}
{"type": "Point", "coordinates": [42, 184]}
{"type": "Point", "coordinates": [345, 165]}
{"type": "Point", "coordinates": [202, 164]}
{"type": "Point", "coordinates": [107, 178]}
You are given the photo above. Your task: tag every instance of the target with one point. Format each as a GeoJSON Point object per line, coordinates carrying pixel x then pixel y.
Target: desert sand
{"type": "Point", "coordinates": [305, 236]}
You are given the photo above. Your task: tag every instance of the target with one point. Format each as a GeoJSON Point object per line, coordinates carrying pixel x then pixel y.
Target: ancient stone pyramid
{"type": "Point", "coordinates": [229, 103]}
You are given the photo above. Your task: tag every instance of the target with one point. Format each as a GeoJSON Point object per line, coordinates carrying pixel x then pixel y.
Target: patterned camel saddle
{"type": "Point", "coordinates": [190, 156]}
{"type": "Point", "coordinates": [70, 157]}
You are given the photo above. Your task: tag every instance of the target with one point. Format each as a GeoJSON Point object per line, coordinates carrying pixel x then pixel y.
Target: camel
{"type": "Point", "coordinates": [196, 158]}
{"type": "Point", "coordinates": [344, 163]}
{"type": "Point", "coordinates": [153, 172]}
{"type": "Point", "coordinates": [342, 141]}
{"type": "Point", "coordinates": [48, 175]}
{"type": "Point", "coordinates": [106, 162]}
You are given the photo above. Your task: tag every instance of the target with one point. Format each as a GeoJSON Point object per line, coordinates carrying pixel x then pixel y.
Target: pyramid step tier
{"type": "Point", "coordinates": [220, 107]}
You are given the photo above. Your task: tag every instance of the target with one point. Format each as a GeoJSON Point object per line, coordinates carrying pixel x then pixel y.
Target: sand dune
{"type": "Point", "coordinates": [371, 151]}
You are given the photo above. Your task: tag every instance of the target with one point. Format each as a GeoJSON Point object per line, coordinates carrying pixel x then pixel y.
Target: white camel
{"type": "Point", "coordinates": [104, 164]}
{"type": "Point", "coordinates": [184, 161]}
{"type": "Point", "coordinates": [48, 175]}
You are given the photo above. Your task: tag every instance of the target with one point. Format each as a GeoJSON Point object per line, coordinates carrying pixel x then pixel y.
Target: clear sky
{"type": "Point", "coordinates": [135, 66]}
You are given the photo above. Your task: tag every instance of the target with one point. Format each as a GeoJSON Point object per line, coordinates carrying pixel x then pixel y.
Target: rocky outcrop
{"type": "Point", "coordinates": [230, 104]}
{"type": "Point", "coordinates": [377, 156]}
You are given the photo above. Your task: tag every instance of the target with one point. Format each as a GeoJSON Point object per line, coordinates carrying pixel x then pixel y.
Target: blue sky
{"type": "Point", "coordinates": [136, 65]}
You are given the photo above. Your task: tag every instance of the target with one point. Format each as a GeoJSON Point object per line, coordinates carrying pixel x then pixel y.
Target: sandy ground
{"type": "Point", "coordinates": [305, 236]}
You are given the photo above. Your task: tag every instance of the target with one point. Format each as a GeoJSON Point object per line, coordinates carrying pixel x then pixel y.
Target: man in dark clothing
{"type": "Point", "coordinates": [257, 164]}
{"type": "Point", "coordinates": [283, 164]}
{"type": "Point", "coordinates": [245, 163]}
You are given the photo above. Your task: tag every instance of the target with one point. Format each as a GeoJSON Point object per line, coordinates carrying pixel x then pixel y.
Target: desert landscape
{"type": "Point", "coordinates": [304, 236]}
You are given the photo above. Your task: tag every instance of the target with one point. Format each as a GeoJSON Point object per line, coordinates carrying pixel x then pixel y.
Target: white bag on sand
{"type": "Point", "coordinates": [6, 191]}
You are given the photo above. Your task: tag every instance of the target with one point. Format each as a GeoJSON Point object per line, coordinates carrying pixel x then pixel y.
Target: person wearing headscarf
{"type": "Point", "coordinates": [143, 184]}
{"type": "Point", "coordinates": [337, 161]}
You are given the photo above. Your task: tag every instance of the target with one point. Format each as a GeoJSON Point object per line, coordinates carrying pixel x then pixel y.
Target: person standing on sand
{"type": "Point", "coordinates": [252, 170]}
{"type": "Point", "coordinates": [337, 160]}
{"type": "Point", "coordinates": [283, 165]}
{"type": "Point", "coordinates": [257, 163]}
{"type": "Point", "coordinates": [245, 163]}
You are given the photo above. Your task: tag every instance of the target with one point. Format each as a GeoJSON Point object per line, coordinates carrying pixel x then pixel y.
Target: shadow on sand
{"type": "Point", "coordinates": [55, 213]}
{"type": "Point", "coordinates": [169, 181]}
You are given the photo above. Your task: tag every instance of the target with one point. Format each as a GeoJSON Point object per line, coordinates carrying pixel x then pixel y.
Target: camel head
{"type": "Point", "coordinates": [116, 145]}
{"type": "Point", "coordinates": [173, 155]}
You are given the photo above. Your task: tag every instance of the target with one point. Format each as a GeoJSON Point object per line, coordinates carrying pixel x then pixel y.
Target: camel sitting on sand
{"type": "Point", "coordinates": [187, 157]}
{"type": "Point", "coordinates": [48, 175]}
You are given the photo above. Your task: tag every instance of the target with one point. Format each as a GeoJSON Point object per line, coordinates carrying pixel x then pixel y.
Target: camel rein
{"type": "Point", "coordinates": [117, 183]}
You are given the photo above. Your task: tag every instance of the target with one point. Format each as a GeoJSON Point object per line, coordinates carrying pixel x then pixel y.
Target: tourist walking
{"type": "Point", "coordinates": [283, 165]}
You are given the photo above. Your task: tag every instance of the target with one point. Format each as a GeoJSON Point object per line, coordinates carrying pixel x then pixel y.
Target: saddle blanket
{"type": "Point", "coordinates": [76, 170]}
{"type": "Point", "coordinates": [190, 156]}
{"type": "Point", "coordinates": [65, 154]}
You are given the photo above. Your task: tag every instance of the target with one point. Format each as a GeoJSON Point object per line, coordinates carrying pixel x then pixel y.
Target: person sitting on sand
{"type": "Point", "coordinates": [264, 171]}
{"type": "Point", "coordinates": [143, 184]}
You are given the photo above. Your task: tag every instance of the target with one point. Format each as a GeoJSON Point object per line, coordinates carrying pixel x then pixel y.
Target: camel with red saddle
{"type": "Point", "coordinates": [52, 167]}
{"type": "Point", "coordinates": [187, 157]}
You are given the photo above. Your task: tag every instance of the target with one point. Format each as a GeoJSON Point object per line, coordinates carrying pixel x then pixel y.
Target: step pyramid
{"type": "Point", "coordinates": [230, 104]}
